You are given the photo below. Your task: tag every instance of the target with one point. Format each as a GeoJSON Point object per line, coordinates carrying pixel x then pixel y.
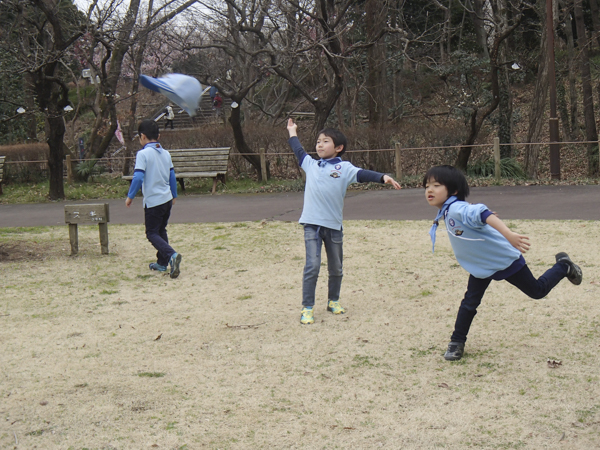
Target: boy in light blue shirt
{"type": "Point", "coordinates": [154, 173]}
{"type": "Point", "coordinates": [326, 183]}
{"type": "Point", "coordinates": [486, 248]}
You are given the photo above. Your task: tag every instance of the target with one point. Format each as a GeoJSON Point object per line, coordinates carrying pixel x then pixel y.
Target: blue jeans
{"type": "Point", "coordinates": [156, 220]}
{"type": "Point", "coordinates": [314, 236]}
{"type": "Point", "coordinates": [523, 279]}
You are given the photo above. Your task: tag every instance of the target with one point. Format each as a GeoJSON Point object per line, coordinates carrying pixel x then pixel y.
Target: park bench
{"type": "Point", "coordinates": [199, 163]}
{"type": "Point", "coordinates": [1, 172]}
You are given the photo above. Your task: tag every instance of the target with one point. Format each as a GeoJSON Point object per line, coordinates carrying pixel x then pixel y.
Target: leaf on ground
{"type": "Point", "coordinates": [553, 364]}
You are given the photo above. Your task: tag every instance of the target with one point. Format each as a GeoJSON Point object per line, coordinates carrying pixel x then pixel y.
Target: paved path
{"type": "Point", "coordinates": [513, 202]}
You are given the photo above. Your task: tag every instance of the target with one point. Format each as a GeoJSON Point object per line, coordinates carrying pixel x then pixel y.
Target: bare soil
{"type": "Point", "coordinates": [99, 352]}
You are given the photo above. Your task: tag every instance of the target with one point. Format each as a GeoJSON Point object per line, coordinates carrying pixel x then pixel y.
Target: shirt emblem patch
{"type": "Point", "coordinates": [451, 222]}
{"type": "Point", "coordinates": [458, 232]}
{"type": "Point", "coordinates": [338, 167]}
{"type": "Point", "coordinates": [334, 175]}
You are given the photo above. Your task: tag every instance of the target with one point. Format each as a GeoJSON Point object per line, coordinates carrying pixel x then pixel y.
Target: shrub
{"type": "Point", "coordinates": [509, 167]}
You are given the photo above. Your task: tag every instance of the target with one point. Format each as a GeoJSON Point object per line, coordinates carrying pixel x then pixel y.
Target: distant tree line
{"type": "Point", "coordinates": [353, 63]}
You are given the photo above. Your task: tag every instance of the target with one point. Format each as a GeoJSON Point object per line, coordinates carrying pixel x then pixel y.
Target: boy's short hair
{"type": "Point", "coordinates": [337, 136]}
{"type": "Point", "coordinates": [451, 177]}
{"type": "Point", "coordinates": [149, 128]}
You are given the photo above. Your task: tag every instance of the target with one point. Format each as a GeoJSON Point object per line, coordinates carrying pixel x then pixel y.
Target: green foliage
{"type": "Point", "coordinates": [89, 169]}
{"type": "Point", "coordinates": [509, 168]}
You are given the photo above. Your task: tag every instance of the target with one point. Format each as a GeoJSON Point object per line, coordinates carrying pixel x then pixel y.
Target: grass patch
{"type": "Point", "coordinates": [151, 374]}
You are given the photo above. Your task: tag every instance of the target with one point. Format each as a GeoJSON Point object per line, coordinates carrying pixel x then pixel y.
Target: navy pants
{"type": "Point", "coordinates": [156, 220]}
{"type": "Point", "coordinates": [523, 279]}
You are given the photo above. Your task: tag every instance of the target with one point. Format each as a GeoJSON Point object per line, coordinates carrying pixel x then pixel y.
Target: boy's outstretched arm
{"type": "Point", "coordinates": [518, 241]}
{"type": "Point", "coordinates": [389, 180]}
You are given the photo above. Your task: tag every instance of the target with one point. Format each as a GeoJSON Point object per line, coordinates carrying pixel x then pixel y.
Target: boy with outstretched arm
{"type": "Point", "coordinates": [327, 180]}
{"type": "Point", "coordinates": [486, 248]}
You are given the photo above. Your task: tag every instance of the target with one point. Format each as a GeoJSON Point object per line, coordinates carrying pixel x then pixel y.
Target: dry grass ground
{"type": "Point", "coordinates": [97, 352]}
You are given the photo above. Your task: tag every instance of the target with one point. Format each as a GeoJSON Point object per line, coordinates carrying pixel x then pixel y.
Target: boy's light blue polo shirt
{"type": "Point", "coordinates": [479, 248]}
{"type": "Point", "coordinates": [155, 162]}
{"type": "Point", "coordinates": [326, 185]}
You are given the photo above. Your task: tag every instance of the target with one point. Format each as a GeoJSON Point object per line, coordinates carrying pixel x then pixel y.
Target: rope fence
{"type": "Point", "coordinates": [401, 161]}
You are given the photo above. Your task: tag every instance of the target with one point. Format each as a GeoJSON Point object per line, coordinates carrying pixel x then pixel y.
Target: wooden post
{"type": "Point", "coordinates": [398, 162]}
{"type": "Point", "coordinates": [263, 165]}
{"type": "Point", "coordinates": [69, 170]}
{"type": "Point", "coordinates": [74, 238]}
{"type": "Point", "coordinates": [497, 170]}
{"type": "Point", "coordinates": [87, 215]}
{"type": "Point", "coordinates": [103, 229]}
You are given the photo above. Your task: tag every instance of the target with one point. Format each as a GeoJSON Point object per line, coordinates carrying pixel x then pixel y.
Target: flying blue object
{"type": "Point", "coordinates": [183, 90]}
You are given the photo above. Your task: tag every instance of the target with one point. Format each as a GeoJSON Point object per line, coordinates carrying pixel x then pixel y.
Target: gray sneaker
{"type": "Point", "coordinates": [455, 351]}
{"type": "Point", "coordinates": [574, 275]}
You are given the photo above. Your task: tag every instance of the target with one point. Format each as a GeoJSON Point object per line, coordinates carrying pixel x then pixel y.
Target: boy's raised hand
{"type": "Point", "coordinates": [389, 180]}
{"type": "Point", "coordinates": [291, 126]}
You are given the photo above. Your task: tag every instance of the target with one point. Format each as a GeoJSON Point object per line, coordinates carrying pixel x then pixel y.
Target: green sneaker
{"type": "Point", "coordinates": [307, 316]}
{"type": "Point", "coordinates": [335, 307]}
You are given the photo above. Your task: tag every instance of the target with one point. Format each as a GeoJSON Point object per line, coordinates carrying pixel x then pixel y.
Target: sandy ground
{"type": "Point", "coordinates": [98, 352]}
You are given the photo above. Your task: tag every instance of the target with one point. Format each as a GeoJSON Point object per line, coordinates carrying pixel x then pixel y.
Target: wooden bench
{"type": "Point", "coordinates": [199, 163]}
{"type": "Point", "coordinates": [2, 158]}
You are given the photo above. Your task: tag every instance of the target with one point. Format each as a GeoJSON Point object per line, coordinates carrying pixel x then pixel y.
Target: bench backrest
{"type": "Point", "coordinates": [2, 158]}
{"type": "Point", "coordinates": [200, 159]}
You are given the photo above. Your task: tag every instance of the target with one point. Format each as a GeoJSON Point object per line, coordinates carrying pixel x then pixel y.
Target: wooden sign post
{"type": "Point", "coordinates": [87, 215]}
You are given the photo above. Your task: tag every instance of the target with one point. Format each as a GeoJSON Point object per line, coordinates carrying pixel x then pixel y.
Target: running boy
{"type": "Point", "coordinates": [486, 248]}
{"type": "Point", "coordinates": [154, 173]}
{"type": "Point", "coordinates": [326, 184]}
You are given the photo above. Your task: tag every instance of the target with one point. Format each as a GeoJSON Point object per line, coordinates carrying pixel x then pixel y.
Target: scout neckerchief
{"type": "Point", "coordinates": [436, 222]}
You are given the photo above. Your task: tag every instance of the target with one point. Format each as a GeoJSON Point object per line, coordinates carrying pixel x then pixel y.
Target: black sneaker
{"type": "Point", "coordinates": [455, 351]}
{"type": "Point", "coordinates": [574, 274]}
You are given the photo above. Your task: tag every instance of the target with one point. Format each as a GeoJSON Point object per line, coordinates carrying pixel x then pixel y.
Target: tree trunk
{"type": "Point", "coordinates": [505, 110]}
{"type": "Point", "coordinates": [477, 15]}
{"type": "Point", "coordinates": [595, 22]}
{"type": "Point", "coordinates": [130, 129]}
{"type": "Point", "coordinates": [377, 94]}
{"type": "Point", "coordinates": [591, 133]}
{"type": "Point", "coordinates": [55, 131]}
{"type": "Point", "coordinates": [538, 106]}
{"type": "Point", "coordinates": [572, 72]}
{"type": "Point", "coordinates": [240, 140]}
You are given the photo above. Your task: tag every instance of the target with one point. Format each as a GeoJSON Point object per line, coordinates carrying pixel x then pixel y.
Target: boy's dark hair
{"type": "Point", "coordinates": [149, 128]}
{"type": "Point", "coordinates": [337, 136]}
{"type": "Point", "coordinates": [451, 177]}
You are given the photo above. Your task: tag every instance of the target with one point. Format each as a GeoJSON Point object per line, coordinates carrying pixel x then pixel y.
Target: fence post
{"type": "Point", "coordinates": [263, 165]}
{"type": "Point", "coordinates": [497, 170]}
{"type": "Point", "coordinates": [398, 162]}
{"type": "Point", "coordinates": [69, 170]}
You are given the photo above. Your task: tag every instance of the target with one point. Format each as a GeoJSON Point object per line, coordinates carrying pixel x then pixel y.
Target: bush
{"type": "Point", "coordinates": [88, 169]}
{"type": "Point", "coordinates": [509, 167]}
{"type": "Point", "coordinates": [25, 172]}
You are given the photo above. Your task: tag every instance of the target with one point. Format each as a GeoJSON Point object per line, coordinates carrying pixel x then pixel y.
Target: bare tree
{"type": "Point", "coordinates": [39, 37]}
{"type": "Point", "coordinates": [499, 27]}
{"type": "Point", "coordinates": [591, 132]}
{"type": "Point", "coordinates": [116, 37]}
{"type": "Point", "coordinates": [225, 50]}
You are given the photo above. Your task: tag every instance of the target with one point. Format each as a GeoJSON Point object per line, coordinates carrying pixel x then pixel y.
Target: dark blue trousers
{"type": "Point", "coordinates": [156, 220]}
{"type": "Point", "coordinates": [523, 279]}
